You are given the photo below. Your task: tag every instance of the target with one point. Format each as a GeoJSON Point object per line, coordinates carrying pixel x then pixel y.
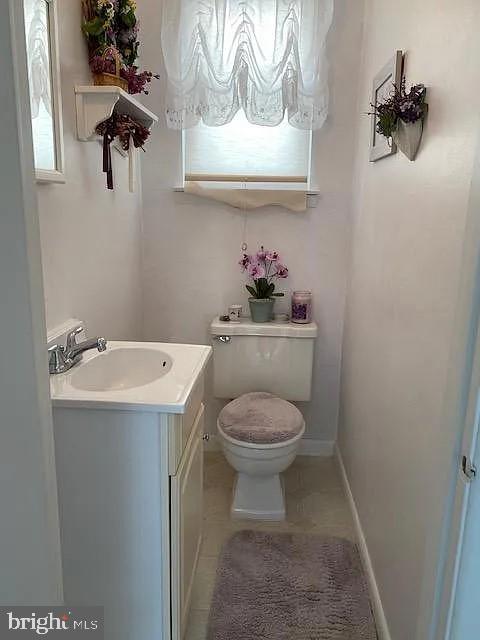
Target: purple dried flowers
{"type": "Point", "coordinates": [408, 106]}
{"type": "Point", "coordinates": [128, 131]}
{"type": "Point", "coordinates": [263, 268]}
{"type": "Point", "coordinates": [137, 81]}
{"type": "Point", "coordinates": [99, 64]}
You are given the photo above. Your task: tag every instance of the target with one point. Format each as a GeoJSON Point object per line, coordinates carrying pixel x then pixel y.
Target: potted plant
{"type": "Point", "coordinates": [264, 268]}
{"type": "Point", "coordinates": [401, 116]}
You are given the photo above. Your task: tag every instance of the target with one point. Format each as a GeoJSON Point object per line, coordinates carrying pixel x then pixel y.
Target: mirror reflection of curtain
{"type": "Point", "coordinates": [38, 56]}
{"type": "Point", "coordinates": [40, 82]}
{"type": "Point", "coordinates": [266, 57]}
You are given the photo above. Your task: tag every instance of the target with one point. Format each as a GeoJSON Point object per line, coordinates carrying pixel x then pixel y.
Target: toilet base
{"type": "Point", "coordinates": [258, 498]}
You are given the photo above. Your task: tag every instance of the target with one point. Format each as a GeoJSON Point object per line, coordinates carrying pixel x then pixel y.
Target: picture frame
{"type": "Point", "coordinates": [43, 61]}
{"type": "Point", "coordinates": [389, 76]}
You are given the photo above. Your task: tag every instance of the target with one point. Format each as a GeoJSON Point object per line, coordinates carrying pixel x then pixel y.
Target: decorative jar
{"type": "Point", "coordinates": [302, 307]}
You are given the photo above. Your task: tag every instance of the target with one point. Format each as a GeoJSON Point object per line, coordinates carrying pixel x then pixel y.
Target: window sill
{"type": "Point", "coordinates": [312, 194]}
{"type": "Point", "coordinates": [309, 192]}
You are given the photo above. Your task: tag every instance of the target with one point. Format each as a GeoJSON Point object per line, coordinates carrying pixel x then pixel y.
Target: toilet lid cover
{"type": "Point", "coordinates": [260, 418]}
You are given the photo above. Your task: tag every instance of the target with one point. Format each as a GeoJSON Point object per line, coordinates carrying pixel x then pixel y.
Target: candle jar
{"type": "Point", "coordinates": [302, 307]}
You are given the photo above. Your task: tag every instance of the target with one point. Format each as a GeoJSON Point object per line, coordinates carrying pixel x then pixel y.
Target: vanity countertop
{"type": "Point", "coordinates": [133, 376]}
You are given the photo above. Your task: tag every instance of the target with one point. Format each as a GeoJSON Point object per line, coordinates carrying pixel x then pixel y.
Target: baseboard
{"type": "Point", "coordinates": [379, 613]}
{"type": "Point", "coordinates": [308, 446]}
{"type": "Point", "coordinates": [311, 447]}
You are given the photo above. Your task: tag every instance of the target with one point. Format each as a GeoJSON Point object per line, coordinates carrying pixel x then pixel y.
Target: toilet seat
{"type": "Point", "coordinates": [261, 419]}
{"type": "Point", "coordinates": [259, 447]}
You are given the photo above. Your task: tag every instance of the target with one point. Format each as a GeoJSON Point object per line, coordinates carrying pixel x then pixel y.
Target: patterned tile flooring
{"type": "Point", "coordinates": [315, 504]}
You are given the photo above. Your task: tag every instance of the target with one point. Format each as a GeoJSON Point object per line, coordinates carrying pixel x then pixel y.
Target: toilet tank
{"type": "Point", "coordinates": [272, 357]}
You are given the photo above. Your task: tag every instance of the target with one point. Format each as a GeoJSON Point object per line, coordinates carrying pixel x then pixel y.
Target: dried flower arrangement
{"type": "Point", "coordinates": [111, 29]}
{"type": "Point", "coordinates": [127, 130]}
{"type": "Point", "coordinates": [401, 115]}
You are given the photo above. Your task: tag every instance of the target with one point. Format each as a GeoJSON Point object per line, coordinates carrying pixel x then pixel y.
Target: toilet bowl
{"type": "Point", "coordinates": [260, 435]}
{"type": "Point", "coordinates": [258, 492]}
{"type": "Point", "coordinates": [265, 367]}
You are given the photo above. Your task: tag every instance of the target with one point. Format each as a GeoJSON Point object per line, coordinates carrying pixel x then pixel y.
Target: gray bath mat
{"type": "Point", "coordinates": [284, 586]}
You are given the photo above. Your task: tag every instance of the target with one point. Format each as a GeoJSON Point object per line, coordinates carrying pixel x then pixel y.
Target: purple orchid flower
{"type": "Point", "coordinates": [271, 256]}
{"type": "Point", "coordinates": [282, 271]}
{"type": "Point", "coordinates": [245, 261]}
{"type": "Point", "coordinates": [256, 271]}
{"type": "Point", "coordinates": [263, 268]}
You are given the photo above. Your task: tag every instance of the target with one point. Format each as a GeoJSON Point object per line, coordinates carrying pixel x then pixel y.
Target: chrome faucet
{"type": "Point", "coordinates": [62, 358]}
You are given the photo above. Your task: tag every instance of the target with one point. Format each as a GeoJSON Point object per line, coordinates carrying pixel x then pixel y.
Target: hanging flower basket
{"type": "Point", "coordinates": [106, 68]}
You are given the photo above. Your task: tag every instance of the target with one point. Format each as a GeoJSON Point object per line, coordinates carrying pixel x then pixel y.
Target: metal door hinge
{"type": "Point", "coordinates": [468, 468]}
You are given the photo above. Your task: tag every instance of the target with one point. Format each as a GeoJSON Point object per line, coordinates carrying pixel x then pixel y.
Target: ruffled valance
{"type": "Point", "coordinates": [264, 56]}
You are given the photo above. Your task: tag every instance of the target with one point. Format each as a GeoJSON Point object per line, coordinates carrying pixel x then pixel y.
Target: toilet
{"type": "Point", "coordinates": [261, 368]}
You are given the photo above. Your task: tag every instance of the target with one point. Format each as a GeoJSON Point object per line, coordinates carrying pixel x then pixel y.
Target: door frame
{"type": "Point", "coordinates": [30, 542]}
{"type": "Point", "coordinates": [463, 382]}
{"type": "Point", "coordinates": [462, 496]}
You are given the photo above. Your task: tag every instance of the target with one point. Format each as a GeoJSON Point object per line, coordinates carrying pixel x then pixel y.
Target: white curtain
{"type": "Point", "coordinates": [36, 24]}
{"type": "Point", "coordinates": [264, 56]}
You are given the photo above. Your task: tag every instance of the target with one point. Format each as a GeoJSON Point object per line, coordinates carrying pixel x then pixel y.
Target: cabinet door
{"type": "Point", "coordinates": [186, 525]}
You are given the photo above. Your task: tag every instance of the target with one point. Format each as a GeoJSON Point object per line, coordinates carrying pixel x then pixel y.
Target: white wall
{"type": "Point", "coordinates": [91, 248]}
{"type": "Point", "coordinates": [192, 246]}
{"type": "Point", "coordinates": [408, 226]}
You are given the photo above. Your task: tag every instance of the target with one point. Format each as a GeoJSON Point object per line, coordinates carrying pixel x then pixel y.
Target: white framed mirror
{"type": "Point", "coordinates": [41, 34]}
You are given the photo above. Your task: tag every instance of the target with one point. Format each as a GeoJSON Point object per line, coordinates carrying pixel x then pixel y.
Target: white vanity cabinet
{"type": "Point", "coordinates": [186, 500]}
{"type": "Point", "coordinates": [130, 496]}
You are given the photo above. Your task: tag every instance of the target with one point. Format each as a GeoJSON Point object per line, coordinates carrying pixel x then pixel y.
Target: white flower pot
{"type": "Point", "coordinates": [407, 137]}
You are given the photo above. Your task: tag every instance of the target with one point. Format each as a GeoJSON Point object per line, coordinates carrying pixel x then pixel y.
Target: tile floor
{"type": "Point", "coordinates": [315, 503]}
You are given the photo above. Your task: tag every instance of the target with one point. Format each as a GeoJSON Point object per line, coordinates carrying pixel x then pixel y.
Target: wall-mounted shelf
{"type": "Point", "coordinates": [95, 104]}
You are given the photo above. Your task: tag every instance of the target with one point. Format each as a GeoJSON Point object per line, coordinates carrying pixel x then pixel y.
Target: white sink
{"type": "Point", "coordinates": [132, 376]}
{"type": "Point", "coordinates": [121, 369]}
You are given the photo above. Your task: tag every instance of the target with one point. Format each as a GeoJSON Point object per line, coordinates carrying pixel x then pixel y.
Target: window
{"type": "Point", "coordinates": [44, 84]}
{"type": "Point", "coordinates": [241, 152]}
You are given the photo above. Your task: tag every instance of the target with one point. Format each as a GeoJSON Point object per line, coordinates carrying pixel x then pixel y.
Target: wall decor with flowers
{"type": "Point", "coordinates": [400, 117]}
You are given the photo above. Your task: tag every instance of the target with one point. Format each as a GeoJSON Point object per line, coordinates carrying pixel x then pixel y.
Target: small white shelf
{"type": "Point", "coordinates": [95, 104]}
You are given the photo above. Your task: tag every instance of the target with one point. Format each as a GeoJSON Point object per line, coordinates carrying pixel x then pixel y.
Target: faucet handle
{"type": "Point", "coordinates": [56, 359]}
{"type": "Point", "coordinates": [71, 340]}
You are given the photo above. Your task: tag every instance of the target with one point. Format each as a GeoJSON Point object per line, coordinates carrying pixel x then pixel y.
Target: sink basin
{"type": "Point", "coordinates": [121, 369]}
{"type": "Point", "coordinates": [132, 376]}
